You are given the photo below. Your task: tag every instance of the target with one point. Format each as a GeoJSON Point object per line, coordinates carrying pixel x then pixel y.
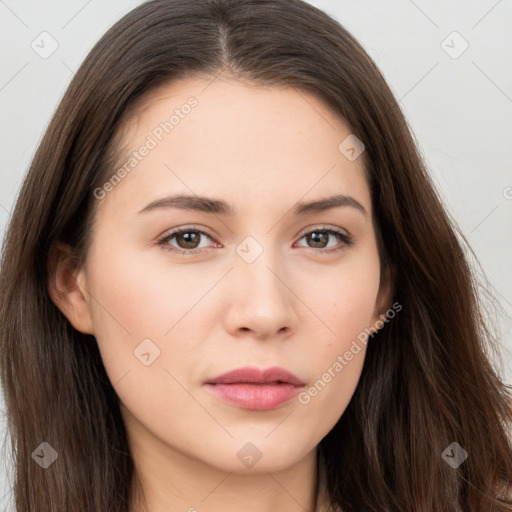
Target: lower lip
{"type": "Point", "coordinates": [256, 397]}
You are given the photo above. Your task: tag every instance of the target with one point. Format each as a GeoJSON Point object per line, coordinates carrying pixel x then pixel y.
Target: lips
{"type": "Point", "coordinates": [255, 389]}
{"type": "Point", "coordinates": [253, 375]}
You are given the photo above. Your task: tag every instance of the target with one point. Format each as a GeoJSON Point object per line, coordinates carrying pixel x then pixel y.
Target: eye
{"type": "Point", "coordinates": [188, 239]}
{"type": "Point", "coordinates": [320, 239]}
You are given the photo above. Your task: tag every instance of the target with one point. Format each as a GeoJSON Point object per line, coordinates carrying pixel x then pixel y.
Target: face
{"type": "Point", "coordinates": [253, 278]}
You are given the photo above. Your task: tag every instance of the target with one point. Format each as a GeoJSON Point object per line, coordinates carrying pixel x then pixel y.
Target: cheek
{"type": "Point", "coordinates": [122, 306]}
{"type": "Point", "coordinates": [338, 357]}
{"type": "Point", "coordinates": [141, 317]}
{"type": "Point", "coordinates": [142, 299]}
{"type": "Point", "coordinates": [344, 297]}
{"type": "Point", "coordinates": [346, 307]}
{"type": "Point", "coordinates": [135, 301]}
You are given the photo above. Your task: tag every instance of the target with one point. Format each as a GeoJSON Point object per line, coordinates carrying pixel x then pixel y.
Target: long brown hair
{"type": "Point", "coordinates": [427, 380]}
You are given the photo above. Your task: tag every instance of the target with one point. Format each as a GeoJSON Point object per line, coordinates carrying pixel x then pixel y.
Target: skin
{"type": "Point", "coordinates": [261, 150]}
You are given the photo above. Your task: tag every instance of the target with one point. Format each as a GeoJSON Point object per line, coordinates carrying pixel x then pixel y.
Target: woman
{"type": "Point", "coordinates": [228, 283]}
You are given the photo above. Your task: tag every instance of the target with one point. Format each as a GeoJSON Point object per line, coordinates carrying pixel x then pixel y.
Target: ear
{"type": "Point", "coordinates": [67, 286]}
{"type": "Point", "coordinates": [385, 295]}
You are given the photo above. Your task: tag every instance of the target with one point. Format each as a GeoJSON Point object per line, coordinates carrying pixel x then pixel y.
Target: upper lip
{"type": "Point", "coordinates": [251, 374]}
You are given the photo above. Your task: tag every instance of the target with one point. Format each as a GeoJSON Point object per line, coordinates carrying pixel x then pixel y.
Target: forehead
{"type": "Point", "coordinates": [252, 145]}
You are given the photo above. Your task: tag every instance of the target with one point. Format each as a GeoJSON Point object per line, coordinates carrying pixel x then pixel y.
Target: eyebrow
{"type": "Point", "coordinates": [220, 207]}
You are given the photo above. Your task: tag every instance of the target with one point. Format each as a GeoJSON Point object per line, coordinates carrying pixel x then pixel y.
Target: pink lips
{"type": "Point", "coordinates": [255, 389]}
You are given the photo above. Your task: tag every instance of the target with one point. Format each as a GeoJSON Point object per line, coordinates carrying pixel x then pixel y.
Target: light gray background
{"type": "Point", "coordinates": [458, 106]}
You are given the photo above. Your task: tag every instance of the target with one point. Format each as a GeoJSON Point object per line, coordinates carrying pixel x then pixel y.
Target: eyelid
{"type": "Point", "coordinates": [323, 227]}
{"type": "Point", "coordinates": [186, 228]}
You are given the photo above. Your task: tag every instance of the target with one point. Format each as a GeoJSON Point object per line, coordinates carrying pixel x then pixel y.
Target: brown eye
{"type": "Point", "coordinates": [319, 239]}
{"type": "Point", "coordinates": [185, 240]}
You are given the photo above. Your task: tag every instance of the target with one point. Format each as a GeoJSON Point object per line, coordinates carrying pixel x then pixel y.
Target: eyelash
{"type": "Point", "coordinates": [163, 242]}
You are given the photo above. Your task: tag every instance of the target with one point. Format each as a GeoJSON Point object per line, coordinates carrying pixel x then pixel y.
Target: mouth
{"type": "Point", "coordinates": [255, 389]}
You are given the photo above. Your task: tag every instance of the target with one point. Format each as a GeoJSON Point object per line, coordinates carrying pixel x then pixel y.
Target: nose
{"type": "Point", "coordinates": [261, 300]}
